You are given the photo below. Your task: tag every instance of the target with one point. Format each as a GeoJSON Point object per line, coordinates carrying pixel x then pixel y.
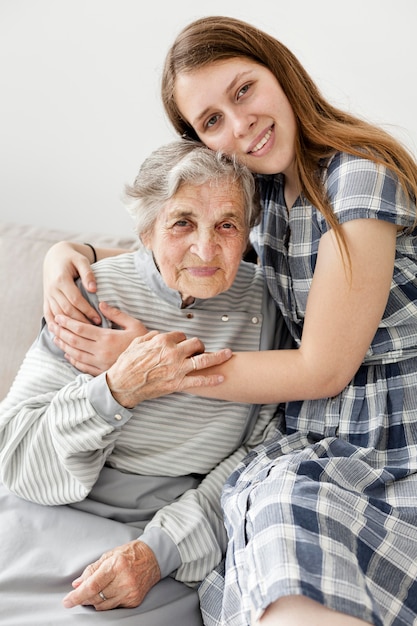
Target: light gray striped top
{"type": "Point", "coordinates": [58, 427]}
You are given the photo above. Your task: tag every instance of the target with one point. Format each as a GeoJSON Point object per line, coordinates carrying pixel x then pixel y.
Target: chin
{"type": "Point", "coordinates": [204, 295]}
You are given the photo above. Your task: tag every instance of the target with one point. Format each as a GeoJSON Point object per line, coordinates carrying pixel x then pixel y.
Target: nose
{"type": "Point", "coordinates": [241, 124]}
{"type": "Point", "coordinates": [205, 246]}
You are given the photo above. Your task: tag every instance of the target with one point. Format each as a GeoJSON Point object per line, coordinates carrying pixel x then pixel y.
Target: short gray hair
{"type": "Point", "coordinates": [185, 162]}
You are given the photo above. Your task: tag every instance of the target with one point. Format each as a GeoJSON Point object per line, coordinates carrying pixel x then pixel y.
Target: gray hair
{"type": "Point", "coordinates": [185, 162]}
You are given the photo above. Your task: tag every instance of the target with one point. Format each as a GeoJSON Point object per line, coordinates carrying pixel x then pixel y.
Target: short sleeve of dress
{"type": "Point", "coordinates": [358, 188]}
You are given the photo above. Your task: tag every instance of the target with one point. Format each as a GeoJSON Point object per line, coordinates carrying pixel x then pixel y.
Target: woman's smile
{"type": "Point", "coordinates": [238, 106]}
{"type": "Point", "coordinates": [202, 272]}
{"type": "Point", "coordinates": [264, 141]}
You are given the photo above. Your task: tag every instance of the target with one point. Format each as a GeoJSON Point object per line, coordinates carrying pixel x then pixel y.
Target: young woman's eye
{"type": "Point", "coordinates": [242, 91]}
{"type": "Point", "coordinates": [212, 121]}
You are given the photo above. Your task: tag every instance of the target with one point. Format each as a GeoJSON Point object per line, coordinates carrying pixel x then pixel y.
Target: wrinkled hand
{"type": "Point", "coordinates": [63, 263]}
{"type": "Point", "coordinates": [124, 575]}
{"type": "Point", "coordinates": [158, 364]}
{"type": "Point", "coordinates": [93, 349]}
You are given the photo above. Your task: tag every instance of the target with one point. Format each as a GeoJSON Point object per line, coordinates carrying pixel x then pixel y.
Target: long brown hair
{"type": "Point", "coordinates": [322, 128]}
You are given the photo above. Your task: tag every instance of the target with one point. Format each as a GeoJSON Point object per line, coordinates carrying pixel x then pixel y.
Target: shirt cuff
{"type": "Point", "coordinates": [104, 404]}
{"type": "Point", "coordinates": [165, 550]}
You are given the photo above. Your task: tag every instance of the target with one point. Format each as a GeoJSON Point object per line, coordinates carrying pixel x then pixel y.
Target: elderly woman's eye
{"type": "Point", "coordinates": [181, 223]}
{"type": "Point", "coordinates": [228, 226]}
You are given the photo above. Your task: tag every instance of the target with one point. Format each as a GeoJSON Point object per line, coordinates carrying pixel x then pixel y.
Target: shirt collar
{"type": "Point", "coordinates": [146, 268]}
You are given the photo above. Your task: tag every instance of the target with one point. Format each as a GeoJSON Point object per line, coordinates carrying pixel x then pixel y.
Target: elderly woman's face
{"type": "Point", "coordinates": [199, 238]}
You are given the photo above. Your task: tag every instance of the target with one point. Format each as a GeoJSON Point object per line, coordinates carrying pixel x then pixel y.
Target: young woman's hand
{"type": "Point", "coordinates": [63, 264]}
{"type": "Point", "coordinates": [93, 349]}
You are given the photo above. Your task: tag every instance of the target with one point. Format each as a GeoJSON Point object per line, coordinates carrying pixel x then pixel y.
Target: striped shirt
{"type": "Point", "coordinates": [58, 426]}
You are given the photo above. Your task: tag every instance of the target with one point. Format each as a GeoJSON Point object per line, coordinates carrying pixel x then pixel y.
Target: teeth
{"type": "Point", "coordinates": [263, 141]}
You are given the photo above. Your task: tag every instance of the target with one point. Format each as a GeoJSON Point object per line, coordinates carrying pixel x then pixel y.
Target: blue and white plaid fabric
{"type": "Point", "coordinates": [328, 509]}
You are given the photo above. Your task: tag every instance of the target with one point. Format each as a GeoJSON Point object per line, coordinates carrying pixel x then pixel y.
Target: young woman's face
{"type": "Point", "coordinates": [199, 238]}
{"type": "Point", "coordinates": [238, 106]}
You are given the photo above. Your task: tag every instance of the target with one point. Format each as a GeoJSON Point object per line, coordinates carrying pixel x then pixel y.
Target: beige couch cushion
{"type": "Point", "coordinates": [22, 250]}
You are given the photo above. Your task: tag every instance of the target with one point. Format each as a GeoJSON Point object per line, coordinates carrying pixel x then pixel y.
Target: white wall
{"type": "Point", "coordinates": [79, 88]}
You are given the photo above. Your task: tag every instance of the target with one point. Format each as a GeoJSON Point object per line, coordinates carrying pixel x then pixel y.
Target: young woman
{"type": "Point", "coordinates": [322, 521]}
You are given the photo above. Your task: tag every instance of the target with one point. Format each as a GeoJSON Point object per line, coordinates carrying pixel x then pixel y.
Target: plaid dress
{"type": "Point", "coordinates": [328, 508]}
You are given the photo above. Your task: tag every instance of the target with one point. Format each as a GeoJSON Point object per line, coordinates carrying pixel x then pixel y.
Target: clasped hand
{"type": "Point", "coordinates": [94, 350]}
{"type": "Point", "coordinates": [158, 364]}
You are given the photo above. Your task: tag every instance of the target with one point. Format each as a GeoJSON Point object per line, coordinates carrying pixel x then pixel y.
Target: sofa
{"type": "Point", "coordinates": [22, 250]}
{"type": "Point", "coordinates": [43, 548]}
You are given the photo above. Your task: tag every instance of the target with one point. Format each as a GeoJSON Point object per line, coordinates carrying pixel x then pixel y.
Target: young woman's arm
{"type": "Point", "coordinates": [343, 312]}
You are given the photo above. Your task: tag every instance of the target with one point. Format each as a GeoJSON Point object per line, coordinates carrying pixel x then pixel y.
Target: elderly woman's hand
{"type": "Point", "coordinates": [121, 577]}
{"type": "Point", "coordinates": [158, 364]}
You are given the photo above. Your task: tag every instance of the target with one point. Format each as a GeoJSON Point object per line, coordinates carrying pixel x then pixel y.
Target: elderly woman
{"type": "Point", "coordinates": [129, 447]}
